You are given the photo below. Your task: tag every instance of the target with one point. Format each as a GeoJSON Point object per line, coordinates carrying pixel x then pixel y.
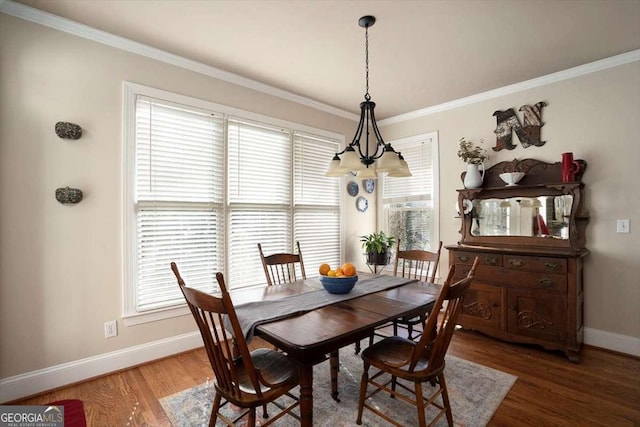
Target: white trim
{"type": "Point", "coordinates": [33, 382]}
{"type": "Point", "coordinates": [68, 26]}
{"type": "Point", "coordinates": [612, 341]}
{"type": "Point", "coordinates": [570, 73]}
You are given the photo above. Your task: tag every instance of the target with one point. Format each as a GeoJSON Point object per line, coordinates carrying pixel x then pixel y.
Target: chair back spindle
{"type": "Point", "coordinates": [281, 268]}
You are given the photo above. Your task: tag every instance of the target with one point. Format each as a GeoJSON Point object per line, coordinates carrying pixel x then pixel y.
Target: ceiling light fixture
{"type": "Point", "coordinates": [365, 159]}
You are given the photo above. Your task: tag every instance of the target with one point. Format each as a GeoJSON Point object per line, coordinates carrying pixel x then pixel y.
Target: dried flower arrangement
{"type": "Point", "coordinates": [471, 153]}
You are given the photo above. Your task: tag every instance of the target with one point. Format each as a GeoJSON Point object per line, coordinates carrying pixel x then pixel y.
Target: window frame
{"type": "Point", "coordinates": [435, 195]}
{"type": "Point", "coordinates": [129, 218]}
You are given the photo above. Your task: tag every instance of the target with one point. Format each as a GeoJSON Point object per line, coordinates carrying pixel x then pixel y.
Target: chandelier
{"type": "Point", "coordinates": [360, 156]}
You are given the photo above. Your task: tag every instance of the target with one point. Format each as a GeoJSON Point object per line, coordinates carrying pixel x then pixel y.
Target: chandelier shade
{"type": "Point", "coordinates": [364, 157]}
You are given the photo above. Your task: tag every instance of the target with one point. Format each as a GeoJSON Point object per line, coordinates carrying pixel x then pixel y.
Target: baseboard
{"type": "Point", "coordinates": [612, 341]}
{"type": "Point", "coordinates": [34, 382]}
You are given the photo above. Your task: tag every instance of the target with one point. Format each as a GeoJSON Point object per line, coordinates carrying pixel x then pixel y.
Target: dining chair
{"type": "Point", "coordinates": [249, 380]}
{"type": "Point", "coordinates": [412, 264]}
{"type": "Point", "coordinates": [420, 362]}
{"type": "Point", "coordinates": [280, 268]}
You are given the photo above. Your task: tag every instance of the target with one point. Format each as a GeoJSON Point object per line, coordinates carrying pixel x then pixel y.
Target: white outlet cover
{"type": "Point", "coordinates": [622, 226]}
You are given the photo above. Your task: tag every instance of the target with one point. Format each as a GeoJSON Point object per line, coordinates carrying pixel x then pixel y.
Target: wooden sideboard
{"type": "Point", "coordinates": [529, 285]}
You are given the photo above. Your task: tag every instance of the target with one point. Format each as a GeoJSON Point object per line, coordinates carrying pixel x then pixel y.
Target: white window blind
{"type": "Point", "coordinates": [178, 200]}
{"type": "Point", "coordinates": [204, 185]}
{"type": "Point", "coordinates": [259, 197]}
{"type": "Point", "coordinates": [408, 209]}
{"type": "Point", "coordinates": [316, 202]}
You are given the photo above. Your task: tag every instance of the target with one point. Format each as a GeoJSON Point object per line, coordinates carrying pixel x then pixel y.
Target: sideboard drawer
{"type": "Point", "coordinates": [525, 279]}
{"type": "Point", "coordinates": [536, 264]}
{"type": "Point", "coordinates": [466, 258]}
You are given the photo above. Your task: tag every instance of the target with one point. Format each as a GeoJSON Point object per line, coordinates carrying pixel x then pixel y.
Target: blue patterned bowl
{"type": "Point", "coordinates": [338, 285]}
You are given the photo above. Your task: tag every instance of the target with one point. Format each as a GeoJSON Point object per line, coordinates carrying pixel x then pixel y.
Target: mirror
{"type": "Point", "coordinates": [544, 216]}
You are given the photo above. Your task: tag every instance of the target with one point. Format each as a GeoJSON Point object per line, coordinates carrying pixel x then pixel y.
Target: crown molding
{"type": "Point", "coordinates": [570, 73]}
{"type": "Point", "coordinates": [68, 26]}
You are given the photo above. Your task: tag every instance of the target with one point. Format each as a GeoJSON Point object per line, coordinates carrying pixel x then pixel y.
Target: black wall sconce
{"type": "Point", "coordinates": [68, 130]}
{"type": "Point", "coordinates": [68, 195]}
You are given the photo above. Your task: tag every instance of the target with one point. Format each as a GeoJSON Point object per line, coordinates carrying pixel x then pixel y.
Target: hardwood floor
{"type": "Point", "coordinates": [602, 390]}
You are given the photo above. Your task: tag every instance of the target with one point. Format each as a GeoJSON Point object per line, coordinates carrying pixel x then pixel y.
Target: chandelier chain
{"type": "Point", "coordinates": [366, 61]}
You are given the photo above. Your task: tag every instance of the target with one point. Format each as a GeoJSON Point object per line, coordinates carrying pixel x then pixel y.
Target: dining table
{"type": "Point", "coordinates": [309, 331]}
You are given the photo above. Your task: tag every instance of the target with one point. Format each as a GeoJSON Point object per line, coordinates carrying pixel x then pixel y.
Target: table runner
{"type": "Point", "coordinates": [252, 314]}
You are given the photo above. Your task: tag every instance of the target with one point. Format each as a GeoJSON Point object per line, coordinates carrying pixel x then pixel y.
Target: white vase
{"type": "Point", "coordinates": [473, 178]}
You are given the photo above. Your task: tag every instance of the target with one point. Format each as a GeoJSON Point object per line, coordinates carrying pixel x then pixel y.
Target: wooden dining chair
{"type": "Point", "coordinates": [249, 380]}
{"type": "Point", "coordinates": [280, 268]}
{"type": "Point", "coordinates": [424, 361]}
{"type": "Point", "coordinates": [412, 264]}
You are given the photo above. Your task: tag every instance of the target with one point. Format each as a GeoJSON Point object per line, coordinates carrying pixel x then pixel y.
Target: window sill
{"type": "Point", "coordinates": [153, 316]}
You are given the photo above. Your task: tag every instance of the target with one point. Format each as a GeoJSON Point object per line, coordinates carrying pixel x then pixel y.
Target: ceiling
{"type": "Point", "coordinates": [421, 53]}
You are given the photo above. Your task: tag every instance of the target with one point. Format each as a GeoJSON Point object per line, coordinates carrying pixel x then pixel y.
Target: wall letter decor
{"type": "Point", "coordinates": [529, 134]}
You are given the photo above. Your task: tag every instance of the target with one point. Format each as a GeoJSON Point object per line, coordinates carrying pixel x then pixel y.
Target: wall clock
{"type": "Point", "coordinates": [362, 204]}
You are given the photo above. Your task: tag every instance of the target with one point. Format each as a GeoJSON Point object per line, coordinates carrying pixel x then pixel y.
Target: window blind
{"type": "Point", "coordinates": [179, 184]}
{"type": "Point", "coordinates": [316, 202]}
{"type": "Point", "coordinates": [416, 187]}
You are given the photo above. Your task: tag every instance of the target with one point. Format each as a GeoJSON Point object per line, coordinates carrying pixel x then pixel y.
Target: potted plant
{"type": "Point", "coordinates": [376, 246]}
{"type": "Point", "coordinates": [474, 156]}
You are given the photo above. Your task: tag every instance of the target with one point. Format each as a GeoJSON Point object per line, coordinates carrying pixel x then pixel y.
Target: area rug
{"type": "Point", "coordinates": [475, 392]}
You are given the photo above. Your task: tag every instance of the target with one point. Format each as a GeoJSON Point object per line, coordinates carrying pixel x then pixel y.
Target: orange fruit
{"type": "Point", "coordinates": [324, 269]}
{"type": "Point", "coordinates": [331, 273]}
{"type": "Point", "coordinates": [348, 269]}
{"type": "Point", "coordinates": [339, 272]}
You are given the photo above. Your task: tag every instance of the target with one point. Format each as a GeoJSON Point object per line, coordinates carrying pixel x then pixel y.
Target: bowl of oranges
{"type": "Point", "coordinates": [338, 281]}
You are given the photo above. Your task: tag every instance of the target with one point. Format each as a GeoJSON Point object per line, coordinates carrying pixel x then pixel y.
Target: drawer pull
{"type": "Point", "coordinates": [516, 262]}
{"type": "Point", "coordinates": [463, 258]}
{"type": "Point", "coordinates": [546, 282]}
{"type": "Point", "coordinates": [491, 261]}
{"type": "Point", "coordinates": [552, 266]}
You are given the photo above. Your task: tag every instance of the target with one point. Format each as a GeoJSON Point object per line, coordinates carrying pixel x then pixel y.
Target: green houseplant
{"type": "Point", "coordinates": [376, 246]}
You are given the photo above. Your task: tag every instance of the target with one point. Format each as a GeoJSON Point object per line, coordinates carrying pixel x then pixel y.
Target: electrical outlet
{"type": "Point", "coordinates": [110, 329]}
{"type": "Point", "coordinates": [622, 226]}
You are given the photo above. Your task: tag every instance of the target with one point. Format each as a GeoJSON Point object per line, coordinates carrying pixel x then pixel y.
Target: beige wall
{"type": "Point", "coordinates": [597, 117]}
{"type": "Point", "coordinates": [60, 266]}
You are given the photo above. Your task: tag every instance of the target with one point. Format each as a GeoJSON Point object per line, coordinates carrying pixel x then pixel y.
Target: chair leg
{"type": "Point", "coordinates": [357, 347]}
{"type": "Point", "coordinates": [410, 331]}
{"type": "Point", "coordinates": [214, 410]}
{"type": "Point", "coordinates": [394, 380]}
{"type": "Point", "coordinates": [265, 414]}
{"type": "Point", "coordinates": [334, 365]}
{"type": "Point", "coordinates": [363, 391]}
{"type": "Point", "coordinates": [420, 405]}
{"type": "Point", "coordinates": [395, 328]}
{"type": "Point", "coordinates": [252, 418]}
{"type": "Point", "coordinates": [445, 399]}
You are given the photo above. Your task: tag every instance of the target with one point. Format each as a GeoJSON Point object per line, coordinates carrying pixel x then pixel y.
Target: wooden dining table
{"type": "Point", "coordinates": [309, 337]}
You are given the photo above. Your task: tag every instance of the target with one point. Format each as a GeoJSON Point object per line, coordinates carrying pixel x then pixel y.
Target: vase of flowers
{"type": "Point", "coordinates": [474, 156]}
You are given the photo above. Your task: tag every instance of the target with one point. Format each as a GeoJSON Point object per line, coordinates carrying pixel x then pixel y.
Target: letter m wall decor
{"type": "Point", "coordinates": [528, 134]}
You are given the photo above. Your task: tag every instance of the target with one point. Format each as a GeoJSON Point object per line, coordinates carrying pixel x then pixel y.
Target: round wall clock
{"type": "Point", "coordinates": [369, 185]}
{"type": "Point", "coordinates": [362, 204]}
{"type": "Point", "coordinates": [352, 188]}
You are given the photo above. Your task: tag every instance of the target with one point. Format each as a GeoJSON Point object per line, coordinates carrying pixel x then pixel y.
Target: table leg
{"type": "Point", "coordinates": [334, 362]}
{"type": "Point", "coordinates": [306, 395]}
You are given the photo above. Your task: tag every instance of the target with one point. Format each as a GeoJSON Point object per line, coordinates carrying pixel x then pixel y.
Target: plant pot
{"type": "Point", "coordinates": [378, 258]}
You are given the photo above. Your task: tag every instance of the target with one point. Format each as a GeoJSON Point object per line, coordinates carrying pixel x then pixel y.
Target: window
{"type": "Point", "coordinates": [204, 185]}
{"type": "Point", "coordinates": [409, 205]}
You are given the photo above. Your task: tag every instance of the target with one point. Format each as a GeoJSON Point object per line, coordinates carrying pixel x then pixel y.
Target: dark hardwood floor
{"type": "Point", "coordinates": [602, 390]}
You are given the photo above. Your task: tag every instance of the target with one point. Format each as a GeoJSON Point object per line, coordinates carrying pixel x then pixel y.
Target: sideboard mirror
{"type": "Point", "coordinates": [540, 211]}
